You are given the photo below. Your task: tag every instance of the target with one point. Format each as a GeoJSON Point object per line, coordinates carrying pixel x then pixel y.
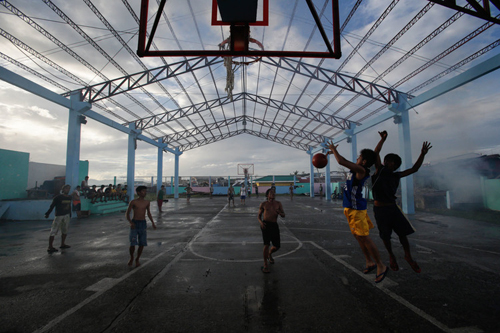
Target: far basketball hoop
{"type": "Point", "coordinates": [245, 170]}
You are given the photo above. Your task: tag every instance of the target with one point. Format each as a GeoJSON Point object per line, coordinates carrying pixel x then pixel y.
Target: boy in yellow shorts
{"type": "Point", "coordinates": [355, 208]}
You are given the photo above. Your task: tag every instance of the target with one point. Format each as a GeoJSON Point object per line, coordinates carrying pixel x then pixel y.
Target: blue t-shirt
{"type": "Point", "coordinates": [353, 191]}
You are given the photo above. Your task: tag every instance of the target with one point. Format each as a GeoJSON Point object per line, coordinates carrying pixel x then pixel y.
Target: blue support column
{"type": "Point", "coordinates": [328, 188]}
{"type": "Point", "coordinates": [294, 181]}
{"type": "Point", "coordinates": [171, 184]}
{"type": "Point", "coordinates": [176, 173]}
{"type": "Point", "coordinates": [354, 143]}
{"type": "Point", "coordinates": [311, 178]}
{"type": "Point", "coordinates": [131, 162]}
{"type": "Point", "coordinates": [159, 173]}
{"type": "Point", "coordinates": [73, 143]}
{"type": "Point", "coordinates": [407, 192]}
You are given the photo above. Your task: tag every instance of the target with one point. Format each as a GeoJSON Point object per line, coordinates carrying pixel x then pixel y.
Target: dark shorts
{"type": "Point", "coordinates": [138, 235]}
{"type": "Point", "coordinates": [230, 197]}
{"type": "Point", "coordinates": [391, 218]}
{"type": "Point", "coordinates": [271, 234]}
{"type": "Point", "coordinates": [77, 207]}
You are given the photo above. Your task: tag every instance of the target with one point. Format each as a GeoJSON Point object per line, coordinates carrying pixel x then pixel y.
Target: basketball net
{"type": "Point", "coordinates": [228, 63]}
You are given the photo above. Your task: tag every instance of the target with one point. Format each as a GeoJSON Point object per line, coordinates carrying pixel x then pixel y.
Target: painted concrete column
{"type": "Point", "coordinates": [132, 141]}
{"type": "Point", "coordinates": [354, 143]}
{"type": "Point", "coordinates": [311, 178]}
{"type": "Point", "coordinates": [407, 195]}
{"type": "Point", "coordinates": [159, 172]}
{"type": "Point", "coordinates": [73, 142]}
{"type": "Point", "coordinates": [171, 184]}
{"type": "Point", "coordinates": [176, 174]}
{"type": "Point", "coordinates": [328, 187]}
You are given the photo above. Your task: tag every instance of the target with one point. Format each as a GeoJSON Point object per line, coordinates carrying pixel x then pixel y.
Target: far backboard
{"type": "Point", "coordinates": [282, 28]}
{"type": "Point", "coordinates": [245, 169]}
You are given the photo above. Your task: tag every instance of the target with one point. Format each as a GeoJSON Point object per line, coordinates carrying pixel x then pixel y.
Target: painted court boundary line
{"type": "Point", "coordinates": [86, 301]}
{"type": "Point", "coordinates": [398, 298]}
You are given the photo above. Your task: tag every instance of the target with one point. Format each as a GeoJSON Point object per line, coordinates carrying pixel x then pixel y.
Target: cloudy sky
{"type": "Point", "coordinates": [463, 121]}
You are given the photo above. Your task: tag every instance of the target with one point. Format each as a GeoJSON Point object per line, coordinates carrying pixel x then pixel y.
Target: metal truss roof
{"type": "Point", "coordinates": [389, 48]}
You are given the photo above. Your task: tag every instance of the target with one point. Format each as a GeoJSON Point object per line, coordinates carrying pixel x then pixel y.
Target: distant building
{"type": "Point", "coordinates": [460, 176]}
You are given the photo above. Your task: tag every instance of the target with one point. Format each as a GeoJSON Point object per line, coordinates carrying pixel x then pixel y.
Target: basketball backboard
{"type": "Point", "coordinates": [280, 28]}
{"type": "Point", "coordinates": [245, 169]}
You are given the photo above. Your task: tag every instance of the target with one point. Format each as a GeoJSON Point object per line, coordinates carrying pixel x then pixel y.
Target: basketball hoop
{"type": "Point", "coordinates": [229, 61]}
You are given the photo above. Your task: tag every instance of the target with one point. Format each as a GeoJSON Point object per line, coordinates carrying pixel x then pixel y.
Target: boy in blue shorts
{"type": "Point", "coordinates": [138, 234]}
{"type": "Point", "coordinates": [355, 208]}
{"type": "Point", "coordinates": [388, 215]}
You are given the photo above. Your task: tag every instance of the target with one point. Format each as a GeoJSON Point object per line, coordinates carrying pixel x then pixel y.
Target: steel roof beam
{"type": "Point", "coordinates": [152, 121]}
{"type": "Point", "coordinates": [375, 91]}
{"type": "Point", "coordinates": [111, 88]}
{"type": "Point", "coordinates": [479, 10]}
{"type": "Point", "coordinates": [174, 139]}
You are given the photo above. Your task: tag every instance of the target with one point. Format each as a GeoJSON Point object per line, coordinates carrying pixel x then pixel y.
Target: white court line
{"type": "Point", "coordinates": [398, 298]}
{"type": "Point", "coordinates": [86, 301]}
{"type": "Point", "coordinates": [453, 245]}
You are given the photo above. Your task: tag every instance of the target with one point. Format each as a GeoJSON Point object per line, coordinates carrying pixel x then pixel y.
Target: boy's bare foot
{"type": "Point", "coordinates": [265, 269]}
{"type": "Point", "coordinates": [137, 263]}
{"type": "Point", "coordinates": [130, 261]}
{"type": "Point", "coordinates": [271, 259]}
{"type": "Point", "coordinates": [393, 263]}
{"type": "Point", "coordinates": [413, 265]}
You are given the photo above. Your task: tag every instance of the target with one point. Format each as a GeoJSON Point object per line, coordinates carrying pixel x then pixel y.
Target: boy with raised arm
{"type": "Point", "coordinates": [388, 215]}
{"type": "Point", "coordinates": [138, 234]}
{"type": "Point", "coordinates": [355, 208]}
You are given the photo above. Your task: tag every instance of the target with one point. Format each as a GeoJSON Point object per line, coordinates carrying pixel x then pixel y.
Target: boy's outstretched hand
{"type": "Point", "coordinates": [332, 146]}
{"type": "Point", "coordinates": [383, 135]}
{"type": "Point", "coordinates": [425, 147]}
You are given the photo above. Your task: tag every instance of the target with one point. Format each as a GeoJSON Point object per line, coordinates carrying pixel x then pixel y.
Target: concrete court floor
{"type": "Point", "coordinates": [201, 273]}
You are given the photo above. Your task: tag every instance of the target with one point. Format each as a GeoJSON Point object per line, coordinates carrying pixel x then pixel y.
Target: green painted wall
{"type": "Point", "coordinates": [14, 166]}
{"type": "Point", "coordinates": [491, 193]}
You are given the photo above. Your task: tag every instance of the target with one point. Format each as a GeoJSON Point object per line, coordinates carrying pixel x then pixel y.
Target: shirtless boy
{"type": "Point", "coordinates": [138, 235]}
{"type": "Point", "coordinates": [268, 219]}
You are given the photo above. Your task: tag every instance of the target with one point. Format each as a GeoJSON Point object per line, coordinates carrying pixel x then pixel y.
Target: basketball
{"type": "Point", "coordinates": [320, 161]}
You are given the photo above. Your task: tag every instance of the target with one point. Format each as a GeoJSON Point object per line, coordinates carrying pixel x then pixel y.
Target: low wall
{"type": "Point", "coordinates": [25, 210]}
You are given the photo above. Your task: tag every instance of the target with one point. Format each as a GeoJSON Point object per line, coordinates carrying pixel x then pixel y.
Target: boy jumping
{"type": "Point", "coordinates": [138, 235]}
{"type": "Point", "coordinates": [388, 215]}
{"type": "Point", "coordinates": [355, 208]}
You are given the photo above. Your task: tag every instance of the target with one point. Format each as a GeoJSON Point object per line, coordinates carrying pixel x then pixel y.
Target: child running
{"type": "Point", "coordinates": [388, 215]}
{"type": "Point", "coordinates": [138, 235]}
{"type": "Point", "coordinates": [355, 208]}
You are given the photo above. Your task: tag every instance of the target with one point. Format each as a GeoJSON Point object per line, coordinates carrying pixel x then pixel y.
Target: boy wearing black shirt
{"type": "Point", "coordinates": [62, 204]}
{"type": "Point", "coordinates": [389, 217]}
